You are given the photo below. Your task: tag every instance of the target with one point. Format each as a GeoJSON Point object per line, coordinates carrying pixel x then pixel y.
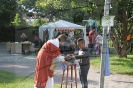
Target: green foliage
{"type": "Point", "coordinates": [123, 15]}
{"type": "Point", "coordinates": [77, 32]}
{"type": "Point", "coordinates": [78, 17]}
{"type": "Point", "coordinates": [7, 34]}
{"type": "Point", "coordinates": [7, 11]}
{"type": "Point", "coordinates": [11, 80]}
{"type": "Point", "coordinates": [39, 22]}
{"type": "Point", "coordinates": [23, 23]}
{"type": "Point", "coordinates": [16, 21]}
{"type": "Point", "coordinates": [28, 4]}
{"type": "Point", "coordinates": [30, 14]}
{"type": "Point", "coordinates": [125, 6]}
{"type": "Point", "coordinates": [71, 10]}
{"type": "Point", "coordinates": [117, 65]}
{"type": "Point", "coordinates": [19, 22]}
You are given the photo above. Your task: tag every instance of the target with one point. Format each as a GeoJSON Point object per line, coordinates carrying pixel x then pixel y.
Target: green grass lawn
{"type": "Point", "coordinates": [11, 80]}
{"type": "Point", "coordinates": [117, 65]}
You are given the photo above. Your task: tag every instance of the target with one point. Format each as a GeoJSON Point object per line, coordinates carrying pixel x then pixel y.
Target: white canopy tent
{"type": "Point", "coordinates": [60, 25]}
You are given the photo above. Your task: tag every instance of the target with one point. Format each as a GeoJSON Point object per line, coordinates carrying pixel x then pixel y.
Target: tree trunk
{"type": "Point", "coordinates": [123, 53]}
{"type": "Point", "coordinates": [123, 28]}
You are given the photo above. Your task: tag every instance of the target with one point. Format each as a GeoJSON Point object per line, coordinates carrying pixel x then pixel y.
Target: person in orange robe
{"type": "Point", "coordinates": [48, 53]}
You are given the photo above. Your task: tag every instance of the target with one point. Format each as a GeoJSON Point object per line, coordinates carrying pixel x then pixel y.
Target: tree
{"type": "Point", "coordinates": [123, 28]}
{"type": "Point", "coordinates": [7, 11]}
{"type": "Point", "coordinates": [60, 9]}
{"type": "Point", "coordinates": [30, 14]}
{"type": "Point", "coordinates": [28, 4]}
{"type": "Point", "coordinates": [39, 22]}
{"type": "Point", "coordinates": [16, 21]}
{"type": "Point", "coordinates": [65, 9]}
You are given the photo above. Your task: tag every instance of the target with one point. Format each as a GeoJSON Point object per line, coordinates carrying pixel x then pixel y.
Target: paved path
{"type": "Point", "coordinates": [25, 64]}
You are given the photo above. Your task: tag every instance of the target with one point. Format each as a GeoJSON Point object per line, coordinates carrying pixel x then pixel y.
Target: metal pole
{"type": "Point", "coordinates": [104, 45]}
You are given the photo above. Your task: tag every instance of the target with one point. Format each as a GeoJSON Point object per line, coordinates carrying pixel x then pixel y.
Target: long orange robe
{"type": "Point", "coordinates": [44, 60]}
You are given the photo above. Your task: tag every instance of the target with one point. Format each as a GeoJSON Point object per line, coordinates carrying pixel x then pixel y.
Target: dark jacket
{"type": "Point", "coordinates": [38, 43]}
{"type": "Point", "coordinates": [84, 57]}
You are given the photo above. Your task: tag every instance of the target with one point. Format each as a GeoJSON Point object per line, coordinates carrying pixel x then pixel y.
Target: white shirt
{"type": "Point", "coordinates": [71, 34]}
{"type": "Point", "coordinates": [99, 39]}
{"type": "Point", "coordinates": [59, 58]}
{"type": "Point", "coordinates": [80, 53]}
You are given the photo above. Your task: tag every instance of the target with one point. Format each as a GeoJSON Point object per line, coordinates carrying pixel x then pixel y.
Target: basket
{"type": "Point", "coordinates": [70, 60]}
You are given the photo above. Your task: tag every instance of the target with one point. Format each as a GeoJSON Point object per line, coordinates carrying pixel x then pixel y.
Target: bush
{"type": "Point", "coordinates": [7, 34]}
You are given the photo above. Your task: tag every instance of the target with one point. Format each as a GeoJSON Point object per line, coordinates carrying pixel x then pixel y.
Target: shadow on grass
{"type": "Point", "coordinates": [117, 65]}
{"type": "Point", "coordinates": [125, 61]}
{"type": "Point", "coordinates": [11, 80]}
{"type": "Point", "coordinates": [127, 73]}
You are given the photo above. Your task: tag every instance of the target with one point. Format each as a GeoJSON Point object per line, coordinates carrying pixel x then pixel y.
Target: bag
{"type": "Point", "coordinates": [52, 67]}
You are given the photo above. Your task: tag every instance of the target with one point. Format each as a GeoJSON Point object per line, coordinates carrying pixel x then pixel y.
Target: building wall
{"type": "Point", "coordinates": [28, 33]}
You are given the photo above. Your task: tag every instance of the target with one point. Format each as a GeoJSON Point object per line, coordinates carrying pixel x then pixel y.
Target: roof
{"type": "Point", "coordinates": [61, 24]}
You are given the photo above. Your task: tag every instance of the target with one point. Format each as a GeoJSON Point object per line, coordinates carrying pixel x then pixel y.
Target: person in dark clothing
{"type": "Point", "coordinates": [91, 40]}
{"type": "Point", "coordinates": [84, 62]}
{"type": "Point", "coordinates": [37, 42]}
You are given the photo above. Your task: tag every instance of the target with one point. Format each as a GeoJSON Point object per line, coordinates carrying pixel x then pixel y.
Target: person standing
{"type": "Point", "coordinates": [84, 62]}
{"type": "Point", "coordinates": [91, 23]}
{"type": "Point", "coordinates": [99, 39]}
{"type": "Point", "coordinates": [72, 43]}
{"type": "Point", "coordinates": [37, 42]}
{"type": "Point", "coordinates": [48, 54]}
{"type": "Point", "coordinates": [91, 39]}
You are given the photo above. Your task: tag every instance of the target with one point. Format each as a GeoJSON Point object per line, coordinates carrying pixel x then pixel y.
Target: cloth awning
{"type": "Point", "coordinates": [65, 29]}
{"type": "Point", "coordinates": [62, 26]}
